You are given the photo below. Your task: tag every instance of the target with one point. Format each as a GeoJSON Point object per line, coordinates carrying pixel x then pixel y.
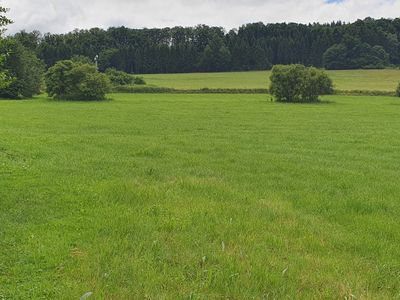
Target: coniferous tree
{"type": "Point", "coordinates": [366, 43]}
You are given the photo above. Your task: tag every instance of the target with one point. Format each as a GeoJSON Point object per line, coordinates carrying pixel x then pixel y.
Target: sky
{"type": "Point", "coordinates": [60, 16]}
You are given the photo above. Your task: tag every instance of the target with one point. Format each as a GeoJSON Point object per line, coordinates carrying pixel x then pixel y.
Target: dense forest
{"type": "Point", "coordinates": [365, 43]}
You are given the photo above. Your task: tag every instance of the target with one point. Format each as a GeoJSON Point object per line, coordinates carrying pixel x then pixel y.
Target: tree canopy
{"type": "Point", "coordinates": [24, 70]}
{"type": "Point", "coordinates": [5, 78]}
{"type": "Point", "coordinates": [4, 21]}
{"type": "Point", "coordinates": [352, 53]}
{"type": "Point", "coordinates": [365, 43]}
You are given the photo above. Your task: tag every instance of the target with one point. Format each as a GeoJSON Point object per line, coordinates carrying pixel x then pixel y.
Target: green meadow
{"type": "Point", "coordinates": [202, 196]}
{"type": "Point", "coordinates": [367, 80]}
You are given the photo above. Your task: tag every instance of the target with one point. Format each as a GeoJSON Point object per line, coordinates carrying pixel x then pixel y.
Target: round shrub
{"type": "Point", "coordinates": [398, 91]}
{"type": "Point", "coordinates": [74, 80]}
{"type": "Point", "coordinates": [297, 83]}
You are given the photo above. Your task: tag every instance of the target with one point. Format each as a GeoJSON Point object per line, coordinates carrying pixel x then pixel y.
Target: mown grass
{"type": "Point", "coordinates": [366, 80]}
{"type": "Point", "coordinates": [200, 197]}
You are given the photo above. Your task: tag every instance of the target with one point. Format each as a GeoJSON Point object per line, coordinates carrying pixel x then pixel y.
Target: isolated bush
{"type": "Point", "coordinates": [23, 69]}
{"type": "Point", "coordinates": [139, 80]}
{"type": "Point", "coordinates": [121, 78]}
{"type": "Point", "coordinates": [71, 80]}
{"type": "Point", "coordinates": [297, 83]}
{"type": "Point", "coordinates": [398, 90]}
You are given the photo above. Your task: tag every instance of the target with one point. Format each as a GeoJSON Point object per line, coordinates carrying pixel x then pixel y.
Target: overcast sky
{"type": "Point", "coordinates": [58, 16]}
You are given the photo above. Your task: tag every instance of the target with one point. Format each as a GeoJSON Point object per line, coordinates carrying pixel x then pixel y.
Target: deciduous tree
{"type": "Point", "coordinates": [69, 80]}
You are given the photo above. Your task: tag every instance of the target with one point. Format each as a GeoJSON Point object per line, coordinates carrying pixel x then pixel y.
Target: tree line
{"type": "Point", "coordinates": [73, 60]}
{"type": "Point", "coordinates": [365, 43]}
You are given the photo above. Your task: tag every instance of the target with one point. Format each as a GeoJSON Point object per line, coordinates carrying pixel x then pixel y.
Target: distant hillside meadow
{"type": "Point", "coordinates": [365, 44]}
{"type": "Point", "coordinates": [344, 80]}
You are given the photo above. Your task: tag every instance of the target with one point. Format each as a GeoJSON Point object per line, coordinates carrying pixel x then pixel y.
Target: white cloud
{"type": "Point", "coordinates": [65, 15]}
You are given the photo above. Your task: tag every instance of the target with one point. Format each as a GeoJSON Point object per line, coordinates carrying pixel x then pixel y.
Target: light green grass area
{"type": "Point", "coordinates": [200, 197]}
{"type": "Point", "coordinates": [379, 80]}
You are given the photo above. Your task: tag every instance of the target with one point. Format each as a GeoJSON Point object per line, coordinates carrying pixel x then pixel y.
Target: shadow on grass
{"type": "Point", "coordinates": [24, 99]}
{"type": "Point", "coordinates": [319, 102]}
{"type": "Point", "coordinates": [322, 102]}
{"type": "Point", "coordinates": [60, 100]}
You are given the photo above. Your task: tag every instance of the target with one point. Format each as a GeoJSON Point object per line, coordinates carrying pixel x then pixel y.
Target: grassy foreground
{"type": "Point", "coordinates": [366, 80]}
{"type": "Point", "coordinates": [200, 196]}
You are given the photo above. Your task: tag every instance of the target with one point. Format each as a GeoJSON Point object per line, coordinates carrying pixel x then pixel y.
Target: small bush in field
{"type": "Point", "coordinates": [119, 77]}
{"type": "Point", "coordinates": [139, 80]}
{"type": "Point", "coordinates": [398, 91]}
{"type": "Point", "coordinates": [69, 80]}
{"type": "Point", "coordinates": [297, 83]}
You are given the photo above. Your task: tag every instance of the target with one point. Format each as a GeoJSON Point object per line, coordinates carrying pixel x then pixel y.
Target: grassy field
{"type": "Point", "coordinates": [200, 197]}
{"type": "Point", "coordinates": [380, 80]}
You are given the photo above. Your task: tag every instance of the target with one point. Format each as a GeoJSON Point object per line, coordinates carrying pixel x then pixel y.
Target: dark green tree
{"type": "Point", "coordinates": [109, 58]}
{"type": "Point", "coordinates": [372, 57]}
{"type": "Point", "coordinates": [335, 58]}
{"type": "Point", "coordinates": [352, 53]}
{"type": "Point", "coordinates": [30, 40]}
{"type": "Point", "coordinates": [5, 78]}
{"type": "Point", "coordinates": [216, 56]}
{"type": "Point", "coordinates": [25, 69]}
